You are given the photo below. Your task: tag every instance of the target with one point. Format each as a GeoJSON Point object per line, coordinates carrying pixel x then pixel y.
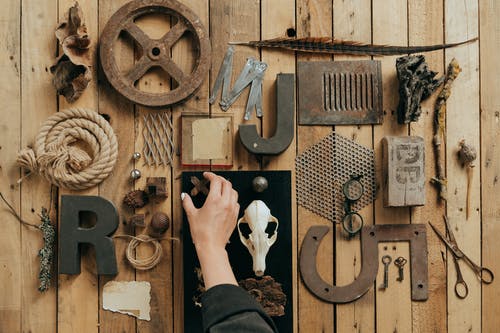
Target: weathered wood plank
{"type": "Point", "coordinates": [314, 18]}
{"type": "Point", "coordinates": [160, 277]}
{"type": "Point", "coordinates": [393, 306]}
{"type": "Point", "coordinates": [114, 188]}
{"type": "Point", "coordinates": [11, 268]}
{"type": "Point", "coordinates": [490, 157]}
{"type": "Point", "coordinates": [425, 27]}
{"type": "Point", "coordinates": [276, 18]}
{"type": "Point", "coordinates": [352, 21]}
{"type": "Point", "coordinates": [184, 56]}
{"type": "Point", "coordinates": [461, 23]}
{"type": "Point", "coordinates": [75, 315]}
{"type": "Point", "coordinates": [232, 21]}
{"type": "Point", "coordinates": [38, 102]}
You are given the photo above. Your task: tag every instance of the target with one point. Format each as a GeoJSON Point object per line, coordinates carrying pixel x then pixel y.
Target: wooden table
{"type": "Point", "coordinates": [28, 48]}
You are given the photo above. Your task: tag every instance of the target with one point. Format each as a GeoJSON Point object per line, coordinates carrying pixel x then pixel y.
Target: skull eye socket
{"type": "Point", "coordinates": [271, 228]}
{"type": "Point", "coordinates": [245, 230]}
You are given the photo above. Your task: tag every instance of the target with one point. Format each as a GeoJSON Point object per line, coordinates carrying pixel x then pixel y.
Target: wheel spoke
{"type": "Point", "coordinates": [174, 34]}
{"type": "Point", "coordinates": [140, 68]}
{"type": "Point", "coordinates": [172, 69]}
{"type": "Point", "coordinates": [137, 34]}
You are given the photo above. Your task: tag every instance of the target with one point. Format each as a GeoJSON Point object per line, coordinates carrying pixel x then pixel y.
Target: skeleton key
{"type": "Point", "coordinates": [386, 260]}
{"type": "Point", "coordinates": [400, 262]}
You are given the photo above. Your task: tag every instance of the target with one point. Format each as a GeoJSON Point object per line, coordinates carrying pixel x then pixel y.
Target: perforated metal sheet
{"type": "Point", "coordinates": [323, 169]}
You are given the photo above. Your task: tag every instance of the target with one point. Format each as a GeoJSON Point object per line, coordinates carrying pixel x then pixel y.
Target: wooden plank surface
{"type": "Point", "coordinates": [121, 113]}
{"type": "Point", "coordinates": [11, 268]}
{"type": "Point", "coordinates": [425, 27]}
{"type": "Point", "coordinates": [357, 316]}
{"type": "Point", "coordinates": [28, 48]}
{"type": "Point", "coordinates": [73, 314]}
{"type": "Point", "coordinates": [37, 94]}
{"type": "Point", "coordinates": [490, 157]}
{"type": "Point", "coordinates": [463, 108]}
{"type": "Point", "coordinates": [314, 18]}
{"type": "Point", "coordinates": [393, 305]}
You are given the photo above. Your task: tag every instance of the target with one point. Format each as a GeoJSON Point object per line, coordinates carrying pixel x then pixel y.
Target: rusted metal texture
{"type": "Point", "coordinates": [415, 234]}
{"type": "Point", "coordinates": [155, 52]}
{"type": "Point", "coordinates": [340, 92]}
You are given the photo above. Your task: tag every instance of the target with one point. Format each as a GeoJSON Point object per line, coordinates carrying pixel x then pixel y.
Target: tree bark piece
{"type": "Point", "coordinates": [416, 83]}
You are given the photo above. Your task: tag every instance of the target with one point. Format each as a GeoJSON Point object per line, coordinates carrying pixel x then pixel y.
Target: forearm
{"type": "Point", "coordinates": [215, 266]}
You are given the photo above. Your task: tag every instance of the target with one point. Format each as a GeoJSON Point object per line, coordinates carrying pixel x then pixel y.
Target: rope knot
{"type": "Point", "coordinates": [63, 163]}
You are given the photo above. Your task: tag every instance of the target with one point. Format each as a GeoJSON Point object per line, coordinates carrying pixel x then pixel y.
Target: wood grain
{"type": "Point", "coordinates": [11, 268]}
{"type": "Point", "coordinates": [275, 22]}
{"type": "Point", "coordinates": [352, 21]}
{"type": "Point", "coordinates": [74, 315]}
{"type": "Point", "coordinates": [393, 308]}
{"type": "Point", "coordinates": [490, 157]}
{"type": "Point", "coordinates": [114, 188]}
{"type": "Point", "coordinates": [425, 27]}
{"type": "Point", "coordinates": [38, 103]}
{"type": "Point", "coordinates": [29, 47]}
{"type": "Point", "coordinates": [314, 18]}
{"type": "Point", "coordinates": [463, 108]}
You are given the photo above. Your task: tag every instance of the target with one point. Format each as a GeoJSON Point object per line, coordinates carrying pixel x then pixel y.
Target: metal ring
{"type": "Point", "coordinates": [349, 229]}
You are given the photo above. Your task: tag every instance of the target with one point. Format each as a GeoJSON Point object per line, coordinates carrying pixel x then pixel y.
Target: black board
{"type": "Point", "coordinates": [279, 259]}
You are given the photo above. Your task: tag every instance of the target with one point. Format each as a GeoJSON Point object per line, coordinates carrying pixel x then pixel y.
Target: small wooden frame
{"type": "Point", "coordinates": [207, 141]}
{"type": "Point", "coordinates": [404, 171]}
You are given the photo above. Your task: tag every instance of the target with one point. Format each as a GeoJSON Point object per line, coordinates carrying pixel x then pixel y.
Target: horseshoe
{"type": "Point", "coordinates": [370, 237]}
{"type": "Point", "coordinates": [155, 52]}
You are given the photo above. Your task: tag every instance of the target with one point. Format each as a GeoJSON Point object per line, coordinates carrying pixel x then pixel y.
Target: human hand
{"type": "Point", "coordinates": [212, 225]}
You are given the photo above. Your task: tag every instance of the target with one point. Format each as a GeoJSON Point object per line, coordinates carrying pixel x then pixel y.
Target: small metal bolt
{"type": "Point", "coordinates": [259, 184]}
{"type": "Point", "coordinates": [135, 174]}
{"type": "Point", "coordinates": [136, 155]}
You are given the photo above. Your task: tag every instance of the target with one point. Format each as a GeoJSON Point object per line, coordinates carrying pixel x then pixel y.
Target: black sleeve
{"type": "Point", "coordinates": [229, 308]}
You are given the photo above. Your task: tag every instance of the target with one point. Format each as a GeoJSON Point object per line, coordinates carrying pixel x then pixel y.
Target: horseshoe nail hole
{"type": "Point", "coordinates": [315, 238]}
{"type": "Point", "coordinates": [416, 233]}
{"type": "Point", "coordinates": [327, 290]}
{"type": "Point", "coordinates": [156, 51]}
{"type": "Point", "coordinates": [372, 233]}
{"type": "Point", "coordinates": [420, 286]}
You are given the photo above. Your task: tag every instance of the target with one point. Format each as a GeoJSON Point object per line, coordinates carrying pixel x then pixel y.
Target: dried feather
{"type": "Point", "coordinates": [338, 46]}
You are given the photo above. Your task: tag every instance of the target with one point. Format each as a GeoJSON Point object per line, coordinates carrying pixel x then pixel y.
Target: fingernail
{"type": "Point", "coordinates": [183, 195]}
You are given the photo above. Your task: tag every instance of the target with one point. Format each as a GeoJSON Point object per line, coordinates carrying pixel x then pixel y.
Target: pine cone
{"type": "Point", "coordinates": [136, 199]}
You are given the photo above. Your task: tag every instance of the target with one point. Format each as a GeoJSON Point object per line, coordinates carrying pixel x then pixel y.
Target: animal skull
{"type": "Point", "coordinates": [257, 216]}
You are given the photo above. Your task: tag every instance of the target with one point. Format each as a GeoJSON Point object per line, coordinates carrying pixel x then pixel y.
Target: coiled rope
{"type": "Point", "coordinates": [64, 164]}
{"type": "Point", "coordinates": [142, 264]}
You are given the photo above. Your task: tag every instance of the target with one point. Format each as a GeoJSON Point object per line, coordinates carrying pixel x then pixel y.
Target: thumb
{"type": "Point", "coordinates": [187, 203]}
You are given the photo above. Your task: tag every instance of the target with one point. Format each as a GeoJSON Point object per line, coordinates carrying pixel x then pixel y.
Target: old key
{"type": "Point", "coordinates": [400, 262]}
{"type": "Point", "coordinates": [386, 260]}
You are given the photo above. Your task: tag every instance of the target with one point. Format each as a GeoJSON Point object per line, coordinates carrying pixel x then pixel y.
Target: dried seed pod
{"type": "Point", "coordinates": [467, 154]}
{"type": "Point", "coordinates": [136, 199]}
{"type": "Point", "coordinates": [159, 223]}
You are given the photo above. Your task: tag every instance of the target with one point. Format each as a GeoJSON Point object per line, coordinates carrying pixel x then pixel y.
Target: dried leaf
{"type": "Point", "coordinates": [72, 69]}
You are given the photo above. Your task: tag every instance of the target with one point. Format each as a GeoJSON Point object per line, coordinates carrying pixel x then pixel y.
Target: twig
{"type": "Point", "coordinates": [439, 128]}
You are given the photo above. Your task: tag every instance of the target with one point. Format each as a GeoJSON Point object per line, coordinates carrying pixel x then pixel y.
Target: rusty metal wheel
{"type": "Point", "coordinates": [155, 52]}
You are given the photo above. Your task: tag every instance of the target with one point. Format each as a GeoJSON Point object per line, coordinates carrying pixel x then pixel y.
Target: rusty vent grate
{"type": "Point", "coordinates": [348, 91]}
{"type": "Point", "coordinates": [340, 92]}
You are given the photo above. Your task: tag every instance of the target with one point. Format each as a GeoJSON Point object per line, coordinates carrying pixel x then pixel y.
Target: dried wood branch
{"type": "Point", "coordinates": [439, 127]}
